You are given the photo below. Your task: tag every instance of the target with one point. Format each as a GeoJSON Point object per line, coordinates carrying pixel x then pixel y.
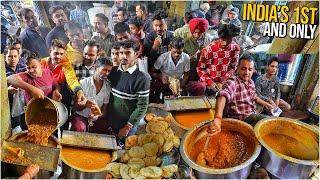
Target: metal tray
{"type": "Point", "coordinates": [89, 140]}
{"type": "Point", "coordinates": [186, 103]}
{"type": "Point", "coordinates": [44, 156]}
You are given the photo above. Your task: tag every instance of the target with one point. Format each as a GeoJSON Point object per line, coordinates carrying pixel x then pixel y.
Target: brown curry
{"type": "Point", "coordinates": [226, 149]}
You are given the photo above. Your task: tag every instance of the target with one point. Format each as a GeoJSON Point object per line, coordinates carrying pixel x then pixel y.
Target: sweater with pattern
{"type": "Point", "coordinates": [129, 97]}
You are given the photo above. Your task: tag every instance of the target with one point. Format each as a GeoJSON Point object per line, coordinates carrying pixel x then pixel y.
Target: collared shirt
{"type": "Point", "coordinates": [268, 89]}
{"type": "Point", "coordinates": [217, 64]}
{"type": "Point", "coordinates": [73, 55]}
{"type": "Point", "coordinates": [130, 70]}
{"type": "Point", "coordinates": [90, 92]}
{"type": "Point", "coordinates": [166, 65]}
{"type": "Point", "coordinates": [105, 43]}
{"type": "Point", "coordinates": [19, 68]}
{"type": "Point", "coordinates": [183, 32]}
{"type": "Point", "coordinates": [57, 33]}
{"type": "Point", "coordinates": [82, 71]}
{"type": "Point", "coordinates": [35, 41]}
{"type": "Point", "coordinates": [240, 98]}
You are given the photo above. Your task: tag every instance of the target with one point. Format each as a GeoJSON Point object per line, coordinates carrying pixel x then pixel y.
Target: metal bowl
{"type": "Point", "coordinates": [240, 171]}
{"type": "Point", "coordinates": [279, 164]}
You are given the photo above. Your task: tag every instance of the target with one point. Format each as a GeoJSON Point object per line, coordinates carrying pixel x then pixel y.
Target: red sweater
{"type": "Point", "coordinates": [217, 64]}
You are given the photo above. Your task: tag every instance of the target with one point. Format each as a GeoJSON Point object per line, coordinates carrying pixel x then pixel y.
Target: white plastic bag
{"type": "Point", "coordinates": [18, 103]}
{"type": "Point", "coordinates": [143, 66]}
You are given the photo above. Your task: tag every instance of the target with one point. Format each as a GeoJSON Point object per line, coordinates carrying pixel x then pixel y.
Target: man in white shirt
{"type": "Point", "coordinates": [173, 64]}
{"type": "Point", "coordinates": [97, 90]}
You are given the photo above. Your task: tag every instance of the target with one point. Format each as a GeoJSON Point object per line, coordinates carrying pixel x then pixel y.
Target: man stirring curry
{"type": "Point", "coordinates": [238, 97]}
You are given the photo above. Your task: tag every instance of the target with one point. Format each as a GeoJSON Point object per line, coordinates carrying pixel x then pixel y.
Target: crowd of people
{"type": "Point", "coordinates": [121, 70]}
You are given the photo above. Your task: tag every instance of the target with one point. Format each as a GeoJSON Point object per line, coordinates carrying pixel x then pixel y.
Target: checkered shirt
{"type": "Point", "coordinates": [240, 98]}
{"type": "Point", "coordinates": [217, 64]}
{"type": "Point", "coordinates": [83, 71]}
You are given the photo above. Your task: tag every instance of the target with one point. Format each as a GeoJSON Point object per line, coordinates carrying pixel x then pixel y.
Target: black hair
{"type": "Point", "coordinates": [104, 61]}
{"type": "Point", "coordinates": [143, 8]}
{"type": "Point", "coordinates": [92, 43]}
{"type": "Point", "coordinates": [159, 15]}
{"type": "Point", "coordinates": [23, 12]}
{"type": "Point", "coordinates": [130, 44]}
{"type": "Point", "coordinates": [124, 10]}
{"type": "Point", "coordinates": [58, 43]}
{"type": "Point", "coordinates": [177, 43]}
{"type": "Point", "coordinates": [188, 16]}
{"type": "Point", "coordinates": [116, 45]}
{"type": "Point", "coordinates": [272, 59]}
{"type": "Point", "coordinates": [247, 57]}
{"type": "Point", "coordinates": [53, 9]}
{"type": "Point", "coordinates": [10, 48]}
{"type": "Point", "coordinates": [228, 30]}
{"type": "Point", "coordinates": [121, 27]}
{"type": "Point", "coordinates": [71, 26]}
{"type": "Point", "coordinates": [103, 17]}
{"type": "Point", "coordinates": [14, 40]}
{"type": "Point", "coordinates": [136, 21]}
{"type": "Point", "coordinates": [30, 56]}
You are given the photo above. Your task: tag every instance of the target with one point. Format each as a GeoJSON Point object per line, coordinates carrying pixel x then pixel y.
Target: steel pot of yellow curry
{"type": "Point", "coordinates": [290, 147]}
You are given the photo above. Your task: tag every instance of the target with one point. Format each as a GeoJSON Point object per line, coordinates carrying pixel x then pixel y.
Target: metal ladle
{"type": "Point", "coordinates": [208, 138]}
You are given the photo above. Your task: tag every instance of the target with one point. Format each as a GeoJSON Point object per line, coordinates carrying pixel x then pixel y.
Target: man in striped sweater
{"type": "Point", "coordinates": [130, 92]}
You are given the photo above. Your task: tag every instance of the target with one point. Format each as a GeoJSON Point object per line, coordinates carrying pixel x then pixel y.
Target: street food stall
{"type": "Point", "coordinates": [170, 144]}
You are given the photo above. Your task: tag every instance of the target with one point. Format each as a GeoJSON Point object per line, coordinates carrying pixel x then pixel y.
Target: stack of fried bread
{"type": "Point", "coordinates": [142, 157]}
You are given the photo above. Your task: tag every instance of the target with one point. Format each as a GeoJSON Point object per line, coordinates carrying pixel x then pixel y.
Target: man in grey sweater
{"type": "Point", "coordinates": [268, 86]}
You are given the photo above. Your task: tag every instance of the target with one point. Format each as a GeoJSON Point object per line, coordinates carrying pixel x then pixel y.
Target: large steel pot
{"type": "Point", "coordinates": [278, 164]}
{"type": "Point", "coordinates": [22, 137]}
{"type": "Point", "coordinates": [240, 171]}
{"type": "Point", "coordinates": [39, 106]}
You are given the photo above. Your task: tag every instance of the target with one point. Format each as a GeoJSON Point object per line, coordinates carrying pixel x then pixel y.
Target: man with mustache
{"type": "Point", "coordinates": [157, 42]}
{"type": "Point", "coordinates": [173, 64]}
{"type": "Point", "coordinates": [130, 93]}
{"type": "Point", "coordinates": [238, 97]}
{"type": "Point", "coordinates": [75, 46]}
{"type": "Point", "coordinates": [64, 74]}
{"type": "Point", "coordinates": [89, 58]}
{"type": "Point", "coordinates": [33, 37]}
{"type": "Point", "coordinates": [194, 43]}
{"type": "Point", "coordinates": [98, 89]}
{"type": "Point", "coordinates": [60, 18]}
{"type": "Point", "coordinates": [104, 37]}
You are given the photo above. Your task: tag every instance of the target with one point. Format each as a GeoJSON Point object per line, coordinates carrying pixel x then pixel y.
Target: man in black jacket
{"type": "Point", "coordinates": [157, 42]}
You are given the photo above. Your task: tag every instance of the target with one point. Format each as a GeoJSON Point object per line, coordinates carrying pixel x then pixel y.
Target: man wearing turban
{"type": "Point", "coordinates": [198, 39]}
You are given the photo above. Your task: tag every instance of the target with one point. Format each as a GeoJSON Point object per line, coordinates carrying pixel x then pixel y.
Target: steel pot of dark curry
{"type": "Point", "coordinates": [229, 154]}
